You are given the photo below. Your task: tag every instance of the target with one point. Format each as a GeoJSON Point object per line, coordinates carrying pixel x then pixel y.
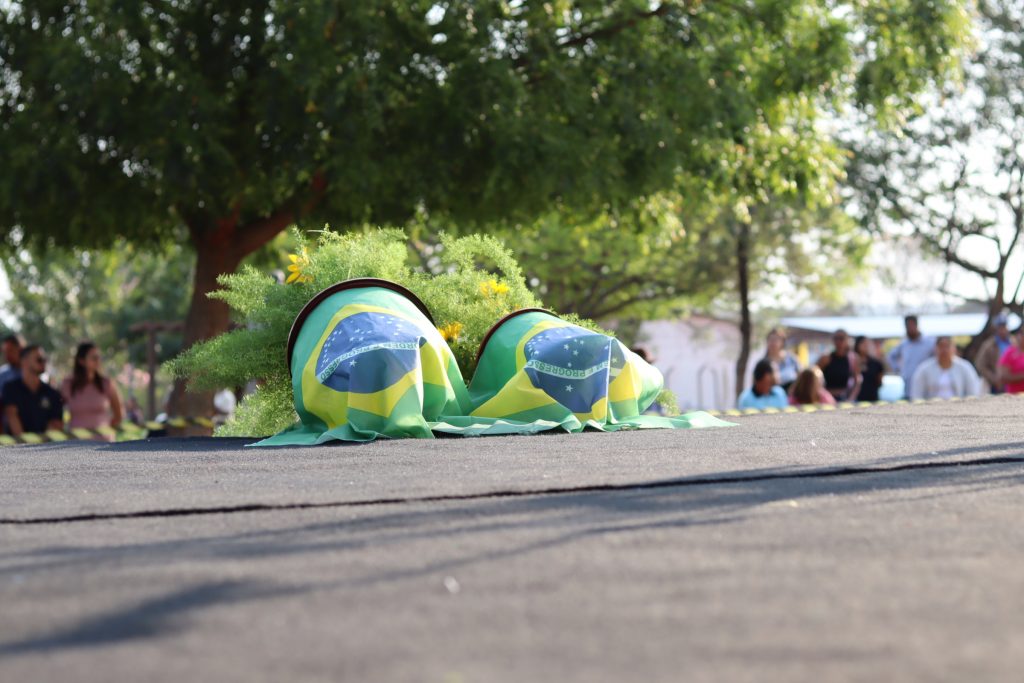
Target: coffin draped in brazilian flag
{"type": "Point", "coordinates": [537, 372]}
{"type": "Point", "coordinates": [367, 361]}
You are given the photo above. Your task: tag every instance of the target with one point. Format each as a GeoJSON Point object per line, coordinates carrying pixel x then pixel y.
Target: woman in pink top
{"type": "Point", "coordinates": [1011, 365]}
{"type": "Point", "coordinates": [809, 388]}
{"type": "Point", "coordinates": [91, 398]}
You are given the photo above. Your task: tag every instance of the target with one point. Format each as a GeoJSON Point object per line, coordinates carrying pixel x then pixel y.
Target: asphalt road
{"type": "Point", "coordinates": [869, 544]}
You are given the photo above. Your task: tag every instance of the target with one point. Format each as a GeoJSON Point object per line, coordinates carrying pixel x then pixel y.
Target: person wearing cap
{"type": "Point", "coordinates": [991, 351]}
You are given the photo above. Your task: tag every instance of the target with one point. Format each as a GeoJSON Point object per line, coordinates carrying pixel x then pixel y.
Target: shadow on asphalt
{"type": "Point", "coordinates": [1010, 448]}
{"type": "Point", "coordinates": [153, 618]}
{"type": "Point", "coordinates": [480, 532]}
{"type": "Point", "coordinates": [184, 444]}
{"type": "Point", "coordinates": [199, 444]}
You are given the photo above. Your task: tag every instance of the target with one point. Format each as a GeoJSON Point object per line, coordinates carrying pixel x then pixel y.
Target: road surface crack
{"type": "Point", "coordinates": [513, 493]}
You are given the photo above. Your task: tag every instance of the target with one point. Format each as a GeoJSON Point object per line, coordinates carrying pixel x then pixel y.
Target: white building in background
{"type": "Point", "coordinates": [697, 356]}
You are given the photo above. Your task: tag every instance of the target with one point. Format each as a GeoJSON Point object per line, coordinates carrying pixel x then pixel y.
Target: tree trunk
{"type": "Point", "coordinates": [206, 317]}
{"type": "Point", "coordinates": [995, 307]}
{"type": "Point", "coordinates": [743, 284]}
{"type": "Point", "coordinates": [220, 246]}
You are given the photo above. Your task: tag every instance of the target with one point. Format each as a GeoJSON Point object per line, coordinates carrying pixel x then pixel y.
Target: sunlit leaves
{"type": "Point", "coordinates": [127, 119]}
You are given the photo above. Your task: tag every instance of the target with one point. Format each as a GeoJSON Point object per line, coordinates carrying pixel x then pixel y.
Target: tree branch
{"type": "Point", "coordinates": [618, 27]}
{"type": "Point", "coordinates": [254, 234]}
{"type": "Point", "coordinates": [949, 254]}
{"type": "Point", "coordinates": [599, 313]}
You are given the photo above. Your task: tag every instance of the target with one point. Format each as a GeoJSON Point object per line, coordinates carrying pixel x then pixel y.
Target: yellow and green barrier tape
{"type": "Point", "coordinates": [825, 407]}
{"type": "Point", "coordinates": [137, 431]}
{"type": "Point", "coordinates": [130, 430]}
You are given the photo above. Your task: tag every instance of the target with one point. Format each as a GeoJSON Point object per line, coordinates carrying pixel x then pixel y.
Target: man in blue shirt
{"type": "Point", "coordinates": [12, 344]}
{"type": "Point", "coordinates": [911, 352]}
{"type": "Point", "coordinates": [764, 393]}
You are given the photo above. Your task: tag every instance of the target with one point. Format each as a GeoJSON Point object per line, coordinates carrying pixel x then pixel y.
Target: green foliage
{"type": "Point", "coordinates": [801, 254]}
{"type": "Point", "coordinates": [236, 119]}
{"type": "Point", "coordinates": [640, 261]}
{"type": "Point", "coordinates": [669, 402]}
{"type": "Point", "coordinates": [63, 296]}
{"type": "Point", "coordinates": [264, 412]}
{"type": "Point", "coordinates": [677, 250]}
{"type": "Point", "coordinates": [475, 281]}
{"type": "Point", "coordinates": [952, 178]}
{"type": "Point", "coordinates": [149, 115]}
{"type": "Point", "coordinates": [60, 297]}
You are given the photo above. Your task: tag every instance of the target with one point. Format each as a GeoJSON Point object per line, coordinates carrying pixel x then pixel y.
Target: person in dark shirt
{"type": "Point", "coordinates": [30, 404]}
{"type": "Point", "coordinates": [872, 370]}
{"type": "Point", "coordinates": [841, 369]}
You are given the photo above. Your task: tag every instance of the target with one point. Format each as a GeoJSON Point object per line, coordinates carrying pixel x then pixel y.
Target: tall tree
{"type": "Point", "coordinates": [769, 218]}
{"type": "Point", "coordinates": [788, 246]}
{"type": "Point", "coordinates": [643, 260]}
{"type": "Point", "coordinates": [953, 177]}
{"type": "Point", "coordinates": [235, 119]}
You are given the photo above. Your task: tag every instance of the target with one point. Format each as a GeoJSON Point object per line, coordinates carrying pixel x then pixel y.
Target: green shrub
{"type": "Point", "coordinates": [475, 282]}
{"type": "Point", "coordinates": [668, 402]}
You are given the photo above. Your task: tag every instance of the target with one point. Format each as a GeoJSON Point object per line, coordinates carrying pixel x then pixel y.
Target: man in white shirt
{"type": "Point", "coordinates": [910, 352]}
{"type": "Point", "coordinates": [945, 376]}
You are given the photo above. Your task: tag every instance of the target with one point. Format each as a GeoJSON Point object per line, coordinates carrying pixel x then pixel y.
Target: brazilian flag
{"type": "Point", "coordinates": [537, 372]}
{"type": "Point", "coordinates": [367, 361]}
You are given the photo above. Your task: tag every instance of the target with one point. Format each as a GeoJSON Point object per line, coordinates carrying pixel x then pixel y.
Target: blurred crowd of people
{"type": "Point", "coordinates": [931, 368]}
{"type": "Point", "coordinates": [30, 404]}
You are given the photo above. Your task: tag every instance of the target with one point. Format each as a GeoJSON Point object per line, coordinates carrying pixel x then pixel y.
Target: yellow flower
{"type": "Point", "coordinates": [493, 288]}
{"type": "Point", "coordinates": [451, 331]}
{"type": "Point", "coordinates": [300, 262]}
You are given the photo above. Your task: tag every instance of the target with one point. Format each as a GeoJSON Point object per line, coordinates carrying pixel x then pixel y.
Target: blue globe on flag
{"type": "Point", "coordinates": [368, 352]}
{"type": "Point", "coordinates": [572, 365]}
